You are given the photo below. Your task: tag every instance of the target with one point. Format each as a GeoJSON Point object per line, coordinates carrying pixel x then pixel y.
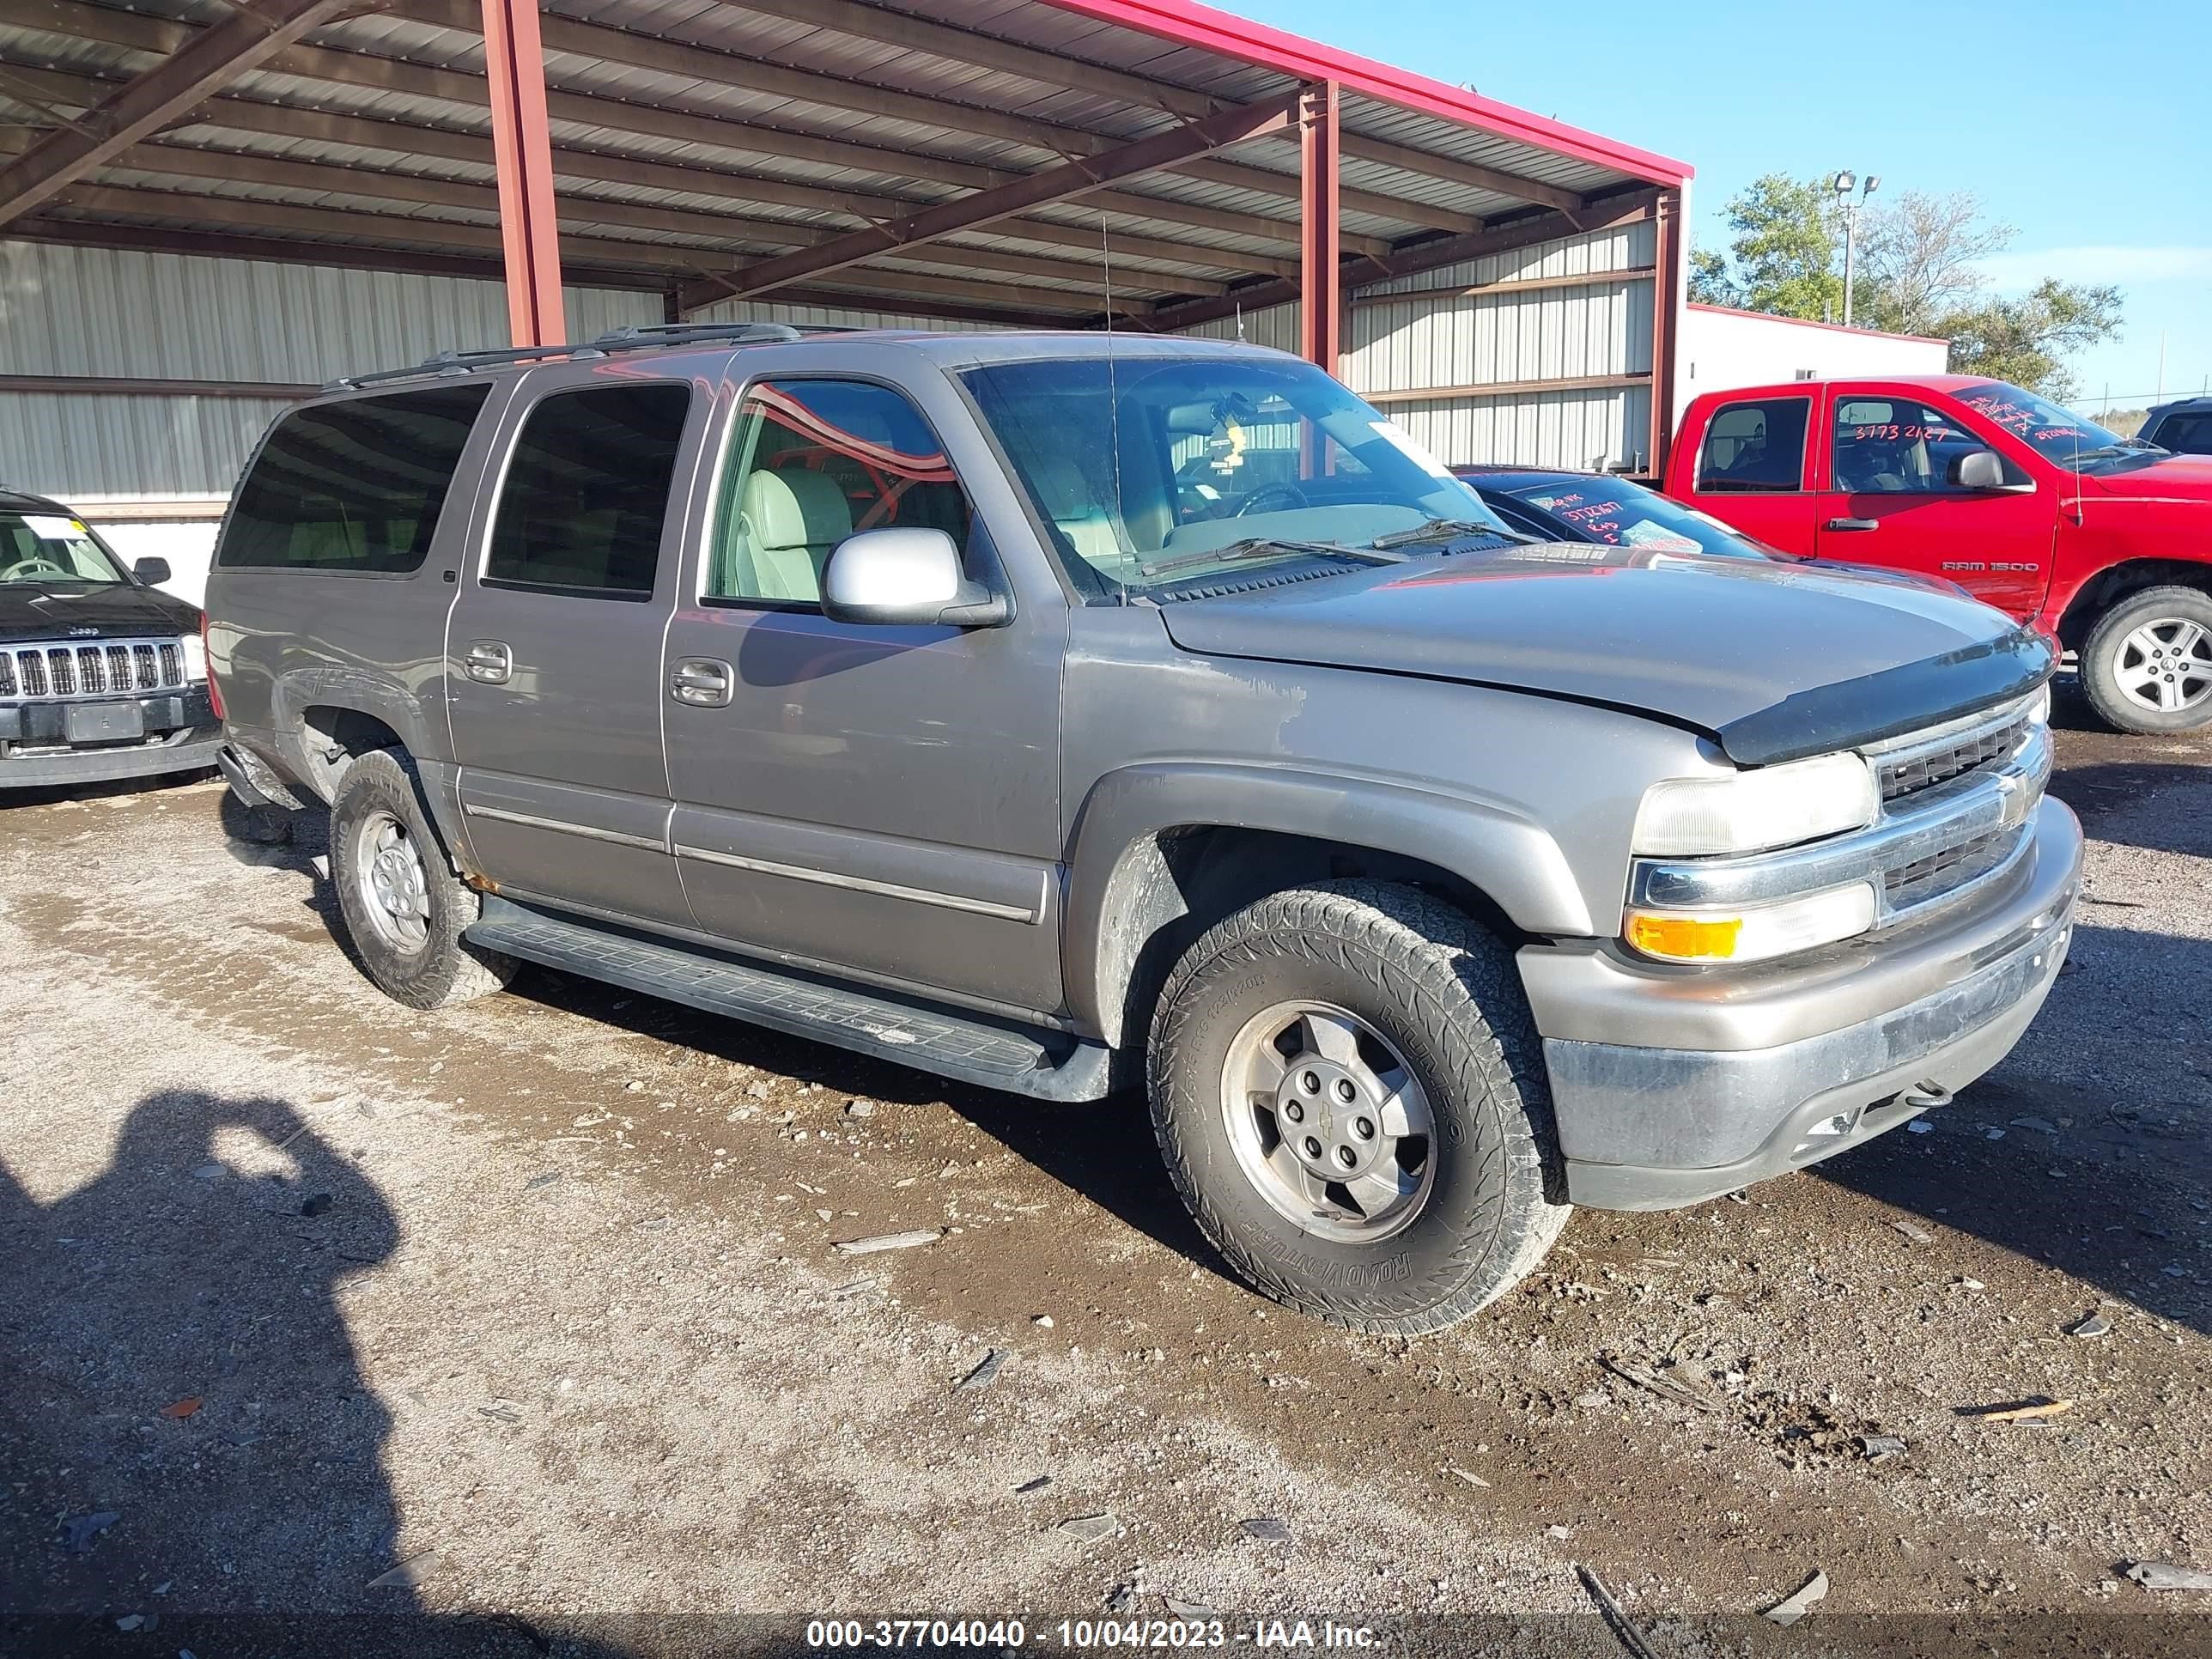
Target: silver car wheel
{"type": "Point", "coordinates": [2165, 665]}
{"type": "Point", "coordinates": [1329, 1123]}
{"type": "Point", "coordinates": [390, 883]}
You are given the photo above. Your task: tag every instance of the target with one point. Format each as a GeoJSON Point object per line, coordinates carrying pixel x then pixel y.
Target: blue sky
{"type": "Point", "coordinates": [2081, 125]}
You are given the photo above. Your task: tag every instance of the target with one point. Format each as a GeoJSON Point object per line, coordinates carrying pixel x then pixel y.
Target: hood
{"type": "Point", "coordinates": [2168, 477]}
{"type": "Point", "coordinates": [1772, 661]}
{"type": "Point", "coordinates": [114, 610]}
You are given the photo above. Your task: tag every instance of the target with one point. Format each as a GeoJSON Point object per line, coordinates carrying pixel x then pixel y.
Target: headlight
{"type": "Point", "coordinates": [195, 651]}
{"type": "Point", "coordinates": [2038, 711]}
{"type": "Point", "coordinates": [1751, 811]}
{"type": "Point", "coordinates": [1755, 932]}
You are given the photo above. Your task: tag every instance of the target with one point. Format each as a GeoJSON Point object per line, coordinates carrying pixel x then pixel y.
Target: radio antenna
{"type": "Point", "coordinates": [1113, 404]}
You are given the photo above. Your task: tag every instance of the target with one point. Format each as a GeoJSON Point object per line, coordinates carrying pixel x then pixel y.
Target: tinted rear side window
{"type": "Point", "coordinates": [586, 494]}
{"type": "Point", "coordinates": [1757, 447]}
{"type": "Point", "coordinates": [352, 486]}
{"type": "Point", "coordinates": [2185, 434]}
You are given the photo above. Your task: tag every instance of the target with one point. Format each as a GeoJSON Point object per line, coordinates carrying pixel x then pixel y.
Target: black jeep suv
{"type": "Point", "coordinates": [102, 675]}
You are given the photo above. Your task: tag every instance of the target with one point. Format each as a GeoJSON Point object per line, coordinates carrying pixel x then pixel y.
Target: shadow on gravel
{"type": "Point", "coordinates": [1102, 1150]}
{"type": "Point", "coordinates": [2101, 1165]}
{"type": "Point", "coordinates": [189, 1447]}
{"type": "Point", "coordinates": [2104, 794]}
{"type": "Point", "coordinates": [49, 796]}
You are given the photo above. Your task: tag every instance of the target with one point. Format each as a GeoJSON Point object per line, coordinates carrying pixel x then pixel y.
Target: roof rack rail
{"type": "Point", "coordinates": [633, 336]}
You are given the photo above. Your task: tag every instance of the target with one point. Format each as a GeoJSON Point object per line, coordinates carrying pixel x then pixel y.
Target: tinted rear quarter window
{"type": "Point", "coordinates": [586, 493]}
{"type": "Point", "coordinates": [353, 486]}
{"type": "Point", "coordinates": [2185, 434]}
{"type": "Point", "coordinates": [1755, 446]}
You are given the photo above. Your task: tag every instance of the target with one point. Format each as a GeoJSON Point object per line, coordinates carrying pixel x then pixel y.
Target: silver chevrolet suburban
{"type": "Point", "coordinates": [1051, 712]}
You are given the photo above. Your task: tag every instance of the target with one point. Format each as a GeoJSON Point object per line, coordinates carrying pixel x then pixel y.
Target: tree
{"type": "Point", "coordinates": [1787, 247]}
{"type": "Point", "coordinates": [2026, 340]}
{"type": "Point", "coordinates": [1919, 272]}
{"type": "Point", "coordinates": [1919, 259]}
{"type": "Point", "coordinates": [1709, 282]}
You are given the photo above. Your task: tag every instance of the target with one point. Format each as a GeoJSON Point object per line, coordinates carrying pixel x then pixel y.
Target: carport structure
{"type": "Point", "coordinates": [1062, 162]}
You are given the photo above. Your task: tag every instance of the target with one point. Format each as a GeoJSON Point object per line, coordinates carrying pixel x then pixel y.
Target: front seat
{"type": "Point", "coordinates": [1066, 496]}
{"type": "Point", "coordinates": [790, 521]}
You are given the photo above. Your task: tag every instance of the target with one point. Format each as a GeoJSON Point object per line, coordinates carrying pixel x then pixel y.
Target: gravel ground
{"type": "Point", "coordinates": [536, 1301]}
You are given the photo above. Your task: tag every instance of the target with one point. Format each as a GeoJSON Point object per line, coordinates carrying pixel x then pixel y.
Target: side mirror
{"type": "Point", "coordinates": [906, 578]}
{"type": "Point", "coordinates": [1981, 469]}
{"type": "Point", "coordinates": [152, 571]}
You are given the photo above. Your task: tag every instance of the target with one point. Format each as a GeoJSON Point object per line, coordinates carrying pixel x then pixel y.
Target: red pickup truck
{"type": "Point", "coordinates": [2102, 541]}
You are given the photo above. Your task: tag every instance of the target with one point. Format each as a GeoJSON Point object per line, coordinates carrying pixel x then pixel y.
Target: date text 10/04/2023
{"type": "Point", "coordinates": [855, 1635]}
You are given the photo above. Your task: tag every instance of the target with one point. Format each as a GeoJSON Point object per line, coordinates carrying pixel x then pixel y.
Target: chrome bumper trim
{"type": "Point", "coordinates": [1671, 1111]}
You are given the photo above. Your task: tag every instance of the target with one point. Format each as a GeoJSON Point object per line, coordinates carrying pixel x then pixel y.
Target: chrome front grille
{"type": "Point", "coordinates": [1943, 787]}
{"type": "Point", "coordinates": [110, 668]}
{"type": "Point", "coordinates": [1928, 763]}
{"type": "Point", "coordinates": [1934, 874]}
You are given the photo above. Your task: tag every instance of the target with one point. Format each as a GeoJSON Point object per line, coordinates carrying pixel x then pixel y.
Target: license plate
{"type": "Point", "coordinates": [103, 722]}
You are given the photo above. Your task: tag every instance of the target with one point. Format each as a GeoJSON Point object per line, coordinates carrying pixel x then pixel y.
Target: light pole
{"type": "Point", "coordinates": [1842, 184]}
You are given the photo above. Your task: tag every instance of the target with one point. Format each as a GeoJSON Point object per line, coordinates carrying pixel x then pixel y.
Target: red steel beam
{"type": "Point", "coordinates": [1321, 313]}
{"type": "Point", "coordinates": [146, 102]}
{"type": "Point", "coordinates": [522, 152]}
{"type": "Point", "coordinates": [1411, 259]}
{"type": "Point", "coordinates": [1671, 250]}
{"type": "Point", "coordinates": [1006, 201]}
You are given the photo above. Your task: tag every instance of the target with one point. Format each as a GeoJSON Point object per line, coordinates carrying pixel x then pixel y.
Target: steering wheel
{"type": "Point", "coordinates": [34, 566]}
{"type": "Point", "coordinates": [1278, 497]}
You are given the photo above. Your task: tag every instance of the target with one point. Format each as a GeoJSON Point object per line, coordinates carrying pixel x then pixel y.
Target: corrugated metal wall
{"type": "Point", "coordinates": [166, 316]}
{"type": "Point", "coordinates": [1426, 332]}
{"type": "Point", "coordinates": [1276, 327]}
{"type": "Point", "coordinates": [89, 311]}
{"type": "Point", "coordinates": [1429, 333]}
{"type": "Point", "coordinates": [759, 311]}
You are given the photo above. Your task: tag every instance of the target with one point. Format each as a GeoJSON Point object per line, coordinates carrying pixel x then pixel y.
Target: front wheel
{"type": "Point", "coordinates": [1350, 1096]}
{"type": "Point", "coordinates": [2147, 665]}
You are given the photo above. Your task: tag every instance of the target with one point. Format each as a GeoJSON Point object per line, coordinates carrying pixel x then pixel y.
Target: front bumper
{"type": "Point", "coordinates": [1671, 1087]}
{"type": "Point", "coordinates": [189, 750]}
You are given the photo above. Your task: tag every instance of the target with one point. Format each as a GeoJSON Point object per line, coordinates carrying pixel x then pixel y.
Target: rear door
{"type": "Point", "coordinates": [883, 800]}
{"type": "Point", "coordinates": [1752, 469]}
{"type": "Point", "coordinates": [1889, 500]}
{"type": "Point", "coordinates": [553, 647]}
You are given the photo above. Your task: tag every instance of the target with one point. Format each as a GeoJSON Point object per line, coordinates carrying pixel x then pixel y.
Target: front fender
{"type": "Point", "coordinates": [1114, 864]}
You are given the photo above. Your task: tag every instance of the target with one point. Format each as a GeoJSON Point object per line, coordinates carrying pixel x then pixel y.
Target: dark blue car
{"type": "Point", "coordinates": [1595, 506]}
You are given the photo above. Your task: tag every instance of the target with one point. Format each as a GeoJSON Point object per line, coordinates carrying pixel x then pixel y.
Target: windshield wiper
{"type": "Point", "coordinates": [1253, 547]}
{"type": "Point", "coordinates": [1443, 530]}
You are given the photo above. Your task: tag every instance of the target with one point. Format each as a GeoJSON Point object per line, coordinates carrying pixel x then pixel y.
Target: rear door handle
{"type": "Point", "coordinates": [702, 682]}
{"type": "Point", "coordinates": [1852, 524]}
{"type": "Point", "coordinates": [489, 662]}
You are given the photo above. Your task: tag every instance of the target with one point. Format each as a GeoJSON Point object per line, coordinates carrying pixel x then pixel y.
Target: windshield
{"type": "Point", "coordinates": [52, 547]}
{"type": "Point", "coordinates": [2057, 435]}
{"type": "Point", "coordinates": [1619, 513]}
{"type": "Point", "coordinates": [1156, 473]}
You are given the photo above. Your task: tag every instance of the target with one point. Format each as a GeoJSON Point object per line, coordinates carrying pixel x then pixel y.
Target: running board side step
{"type": "Point", "coordinates": [968, 1048]}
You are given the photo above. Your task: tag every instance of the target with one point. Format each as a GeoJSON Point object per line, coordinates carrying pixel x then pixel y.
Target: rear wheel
{"type": "Point", "coordinates": [404, 907]}
{"type": "Point", "coordinates": [2147, 665]}
{"type": "Point", "coordinates": [1348, 1092]}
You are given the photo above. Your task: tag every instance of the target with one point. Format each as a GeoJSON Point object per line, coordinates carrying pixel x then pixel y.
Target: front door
{"type": "Point", "coordinates": [1751, 471]}
{"type": "Point", "coordinates": [553, 647]}
{"type": "Point", "coordinates": [1890, 501]}
{"type": "Point", "coordinates": [882, 800]}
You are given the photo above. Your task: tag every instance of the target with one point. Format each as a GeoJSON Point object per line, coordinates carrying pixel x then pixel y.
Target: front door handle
{"type": "Point", "coordinates": [488, 662]}
{"type": "Point", "coordinates": [1852, 524]}
{"type": "Point", "coordinates": [702, 682]}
